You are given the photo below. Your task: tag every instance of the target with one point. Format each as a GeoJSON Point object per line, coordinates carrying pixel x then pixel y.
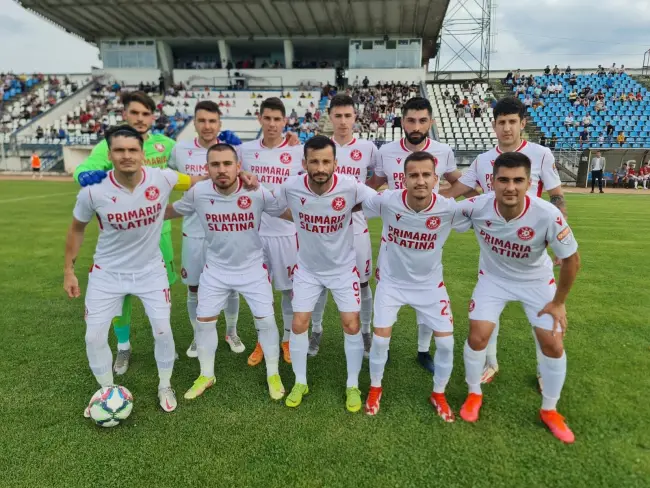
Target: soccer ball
{"type": "Point", "coordinates": [110, 405]}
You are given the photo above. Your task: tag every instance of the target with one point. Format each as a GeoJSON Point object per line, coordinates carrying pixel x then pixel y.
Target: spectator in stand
{"type": "Point", "coordinates": [597, 170]}
{"type": "Point", "coordinates": [39, 132]}
{"type": "Point", "coordinates": [599, 106]}
{"type": "Point", "coordinates": [528, 101]}
{"type": "Point", "coordinates": [621, 138]}
{"type": "Point", "coordinates": [609, 132]}
{"type": "Point", "coordinates": [547, 70]}
{"type": "Point", "coordinates": [621, 70]}
{"type": "Point", "coordinates": [573, 96]}
{"type": "Point", "coordinates": [609, 82]}
{"type": "Point", "coordinates": [631, 174]}
{"type": "Point", "coordinates": [553, 143]}
{"type": "Point", "coordinates": [556, 70]}
{"type": "Point", "coordinates": [584, 137]}
{"type": "Point", "coordinates": [465, 101]}
{"type": "Point", "coordinates": [568, 120]}
{"type": "Point", "coordinates": [586, 121]}
{"type": "Point", "coordinates": [639, 96]}
{"type": "Point", "coordinates": [601, 139]}
{"type": "Point", "coordinates": [542, 139]}
{"type": "Point", "coordinates": [365, 82]}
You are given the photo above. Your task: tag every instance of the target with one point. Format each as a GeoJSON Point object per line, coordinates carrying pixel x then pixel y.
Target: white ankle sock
{"type": "Point", "coordinates": [353, 345]}
{"type": "Point", "coordinates": [443, 361]}
{"type": "Point", "coordinates": [317, 314]}
{"type": "Point", "coordinates": [298, 347]}
{"type": "Point", "coordinates": [365, 315]}
{"type": "Point", "coordinates": [378, 358]}
{"type": "Point", "coordinates": [474, 364]}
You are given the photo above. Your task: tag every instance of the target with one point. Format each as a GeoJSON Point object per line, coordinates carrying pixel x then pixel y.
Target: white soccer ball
{"type": "Point", "coordinates": [110, 405]}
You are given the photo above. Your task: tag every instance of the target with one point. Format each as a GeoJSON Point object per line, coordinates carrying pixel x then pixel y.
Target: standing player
{"type": "Point", "coordinates": [230, 218]}
{"type": "Point", "coordinates": [513, 230]}
{"type": "Point", "coordinates": [139, 113]}
{"type": "Point", "coordinates": [354, 157]}
{"type": "Point", "coordinates": [321, 203]}
{"type": "Point", "coordinates": [129, 205]}
{"type": "Point", "coordinates": [189, 157]}
{"type": "Point", "coordinates": [273, 159]}
{"type": "Point", "coordinates": [416, 224]}
{"type": "Point", "coordinates": [509, 122]}
{"type": "Point", "coordinates": [417, 122]}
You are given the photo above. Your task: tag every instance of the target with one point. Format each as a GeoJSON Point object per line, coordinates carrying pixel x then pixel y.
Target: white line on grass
{"type": "Point", "coordinates": [21, 199]}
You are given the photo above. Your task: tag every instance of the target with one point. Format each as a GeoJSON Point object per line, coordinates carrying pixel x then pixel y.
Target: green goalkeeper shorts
{"type": "Point", "coordinates": [167, 249]}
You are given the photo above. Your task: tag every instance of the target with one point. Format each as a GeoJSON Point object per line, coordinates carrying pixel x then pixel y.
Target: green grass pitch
{"type": "Point", "coordinates": [236, 436]}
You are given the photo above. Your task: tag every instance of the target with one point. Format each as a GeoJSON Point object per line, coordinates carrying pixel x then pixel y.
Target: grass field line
{"type": "Point", "coordinates": [22, 199]}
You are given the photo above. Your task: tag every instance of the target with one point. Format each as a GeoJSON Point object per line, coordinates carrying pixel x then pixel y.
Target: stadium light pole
{"type": "Point", "coordinates": [645, 69]}
{"type": "Point", "coordinates": [466, 37]}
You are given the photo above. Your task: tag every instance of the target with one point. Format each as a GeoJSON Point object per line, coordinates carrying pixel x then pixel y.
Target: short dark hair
{"type": "Point", "coordinates": [417, 103]}
{"type": "Point", "coordinates": [340, 100]}
{"type": "Point", "coordinates": [319, 142]}
{"type": "Point", "coordinates": [221, 147]}
{"type": "Point", "coordinates": [420, 156]}
{"type": "Point", "coordinates": [122, 131]}
{"type": "Point", "coordinates": [208, 106]}
{"type": "Point", "coordinates": [273, 103]}
{"type": "Point", "coordinates": [140, 97]}
{"type": "Point", "coordinates": [509, 106]}
{"type": "Point", "coordinates": [511, 160]}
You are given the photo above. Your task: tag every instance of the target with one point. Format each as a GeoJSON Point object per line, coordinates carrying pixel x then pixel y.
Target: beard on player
{"type": "Point", "coordinates": [320, 176]}
{"type": "Point", "coordinates": [415, 137]}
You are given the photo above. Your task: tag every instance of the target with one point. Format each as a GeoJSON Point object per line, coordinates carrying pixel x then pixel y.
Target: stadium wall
{"type": "Point", "coordinates": [73, 156]}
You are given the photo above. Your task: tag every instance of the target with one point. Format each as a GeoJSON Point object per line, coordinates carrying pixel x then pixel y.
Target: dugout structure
{"type": "Point", "coordinates": [614, 158]}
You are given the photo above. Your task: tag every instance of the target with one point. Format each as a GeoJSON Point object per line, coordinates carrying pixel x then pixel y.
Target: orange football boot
{"type": "Point", "coordinates": [439, 402]}
{"type": "Point", "coordinates": [256, 356]}
{"type": "Point", "coordinates": [556, 424]}
{"type": "Point", "coordinates": [372, 402]}
{"type": "Point", "coordinates": [470, 409]}
{"type": "Point", "coordinates": [286, 354]}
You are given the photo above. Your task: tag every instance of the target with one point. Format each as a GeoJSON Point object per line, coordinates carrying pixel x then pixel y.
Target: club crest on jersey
{"type": "Point", "coordinates": [356, 155]}
{"type": "Point", "coordinates": [433, 222]}
{"type": "Point", "coordinates": [398, 216]}
{"type": "Point", "coordinates": [244, 202]}
{"type": "Point", "coordinates": [285, 158]}
{"type": "Point", "coordinates": [472, 304]}
{"type": "Point", "coordinates": [152, 193]}
{"type": "Point", "coordinates": [159, 147]}
{"type": "Point", "coordinates": [303, 200]}
{"type": "Point", "coordinates": [525, 233]}
{"type": "Point", "coordinates": [338, 204]}
{"type": "Point", "coordinates": [472, 200]}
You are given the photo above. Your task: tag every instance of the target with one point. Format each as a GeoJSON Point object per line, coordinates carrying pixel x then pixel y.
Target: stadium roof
{"type": "Point", "coordinates": [259, 19]}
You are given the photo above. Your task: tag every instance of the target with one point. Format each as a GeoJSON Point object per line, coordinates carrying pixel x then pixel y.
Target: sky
{"type": "Point", "coordinates": [527, 34]}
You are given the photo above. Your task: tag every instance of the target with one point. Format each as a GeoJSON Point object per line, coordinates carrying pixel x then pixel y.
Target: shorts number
{"type": "Point", "coordinates": [368, 267]}
{"type": "Point", "coordinates": [168, 295]}
{"type": "Point", "coordinates": [445, 306]}
{"type": "Point", "coordinates": [291, 270]}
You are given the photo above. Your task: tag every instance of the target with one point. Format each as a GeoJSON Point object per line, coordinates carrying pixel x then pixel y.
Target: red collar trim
{"type": "Point", "coordinates": [403, 145]}
{"type": "Point", "coordinates": [521, 146]}
{"type": "Point", "coordinates": [526, 207]}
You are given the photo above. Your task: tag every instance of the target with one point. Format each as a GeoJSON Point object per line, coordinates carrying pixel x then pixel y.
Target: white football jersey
{"type": "Point", "coordinates": [230, 222]}
{"type": "Point", "coordinates": [324, 222]}
{"type": "Point", "coordinates": [516, 250]}
{"type": "Point", "coordinates": [129, 223]}
{"type": "Point", "coordinates": [355, 159]}
{"type": "Point", "coordinates": [390, 161]}
{"type": "Point", "coordinates": [272, 166]}
{"type": "Point", "coordinates": [412, 241]}
{"type": "Point", "coordinates": [543, 173]}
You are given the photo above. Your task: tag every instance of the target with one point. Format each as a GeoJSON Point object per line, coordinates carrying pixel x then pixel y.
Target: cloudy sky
{"type": "Point", "coordinates": [529, 34]}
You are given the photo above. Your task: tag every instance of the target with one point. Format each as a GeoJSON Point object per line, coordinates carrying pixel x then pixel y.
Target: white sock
{"type": "Point", "coordinates": [231, 313]}
{"type": "Point", "coordinates": [267, 332]}
{"type": "Point", "coordinates": [124, 346]}
{"type": "Point", "coordinates": [491, 350]}
{"type": "Point", "coordinates": [207, 341]}
{"type": "Point", "coordinates": [164, 349]}
{"type": "Point", "coordinates": [474, 364]}
{"type": "Point", "coordinates": [100, 357]}
{"type": "Point", "coordinates": [553, 372]}
{"type": "Point", "coordinates": [353, 345]}
{"type": "Point", "coordinates": [192, 302]}
{"type": "Point", "coordinates": [298, 347]}
{"type": "Point", "coordinates": [287, 315]}
{"type": "Point", "coordinates": [317, 314]}
{"type": "Point", "coordinates": [366, 309]}
{"type": "Point", "coordinates": [443, 361]}
{"type": "Point", "coordinates": [424, 338]}
{"type": "Point", "coordinates": [538, 351]}
{"type": "Point", "coordinates": [378, 358]}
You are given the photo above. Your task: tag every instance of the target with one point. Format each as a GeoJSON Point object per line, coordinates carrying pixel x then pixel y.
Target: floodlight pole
{"type": "Point", "coordinates": [467, 23]}
{"type": "Point", "coordinates": [645, 70]}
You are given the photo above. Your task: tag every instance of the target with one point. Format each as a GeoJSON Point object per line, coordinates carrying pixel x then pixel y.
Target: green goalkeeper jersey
{"type": "Point", "coordinates": [157, 150]}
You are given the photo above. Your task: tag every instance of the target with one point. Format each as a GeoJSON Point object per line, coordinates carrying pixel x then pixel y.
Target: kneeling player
{"type": "Point", "coordinates": [230, 217]}
{"type": "Point", "coordinates": [416, 224]}
{"type": "Point", "coordinates": [513, 230]}
{"type": "Point", "coordinates": [129, 205]}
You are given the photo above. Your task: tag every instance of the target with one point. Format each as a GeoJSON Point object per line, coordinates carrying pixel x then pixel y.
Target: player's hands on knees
{"type": "Point", "coordinates": [292, 138]}
{"type": "Point", "coordinates": [558, 312]}
{"type": "Point", "coordinates": [93, 177]}
{"type": "Point", "coordinates": [250, 180]}
{"type": "Point", "coordinates": [71, 285]}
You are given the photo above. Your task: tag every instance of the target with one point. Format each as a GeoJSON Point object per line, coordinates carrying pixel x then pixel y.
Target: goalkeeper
{"type": "Point", "coordinates": [139, 113]}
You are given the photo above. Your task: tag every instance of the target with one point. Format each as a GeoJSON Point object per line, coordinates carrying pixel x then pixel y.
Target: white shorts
{"type": "Point", "coordinates": [491, 295]}
{"type": "Point", "coordinates": [215, 288]}
{"type": "Point", "coordinates": [307, 287]}
{"type": "Point", "coordinates": [280, 256]}
{"type": "Point", "coordinates": [192, 259]}
{"type": "Point", "coordinates": [106, 291]}
{"type": "Point", "coordinates": [431, 304]}
{"type": "Point", "coordinates": [363, 250]}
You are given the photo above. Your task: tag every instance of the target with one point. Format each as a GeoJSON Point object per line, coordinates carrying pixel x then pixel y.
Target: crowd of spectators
{"type": "Point", "coordinates": [210, 62]}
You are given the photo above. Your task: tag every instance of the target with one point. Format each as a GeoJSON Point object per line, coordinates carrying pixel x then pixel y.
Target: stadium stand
{"type": "Point", "coordinates": [463, 114]}
{"type": "Point", "coordinates": [20, 110]}
{"type": "Point", "coordinates": [12, 86]}
{"type": "Point", "coordinates": [590, 102]}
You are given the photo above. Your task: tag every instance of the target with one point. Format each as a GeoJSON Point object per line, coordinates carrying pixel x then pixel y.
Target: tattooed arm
{"type": "Point", "coordinates": [557, 198]}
